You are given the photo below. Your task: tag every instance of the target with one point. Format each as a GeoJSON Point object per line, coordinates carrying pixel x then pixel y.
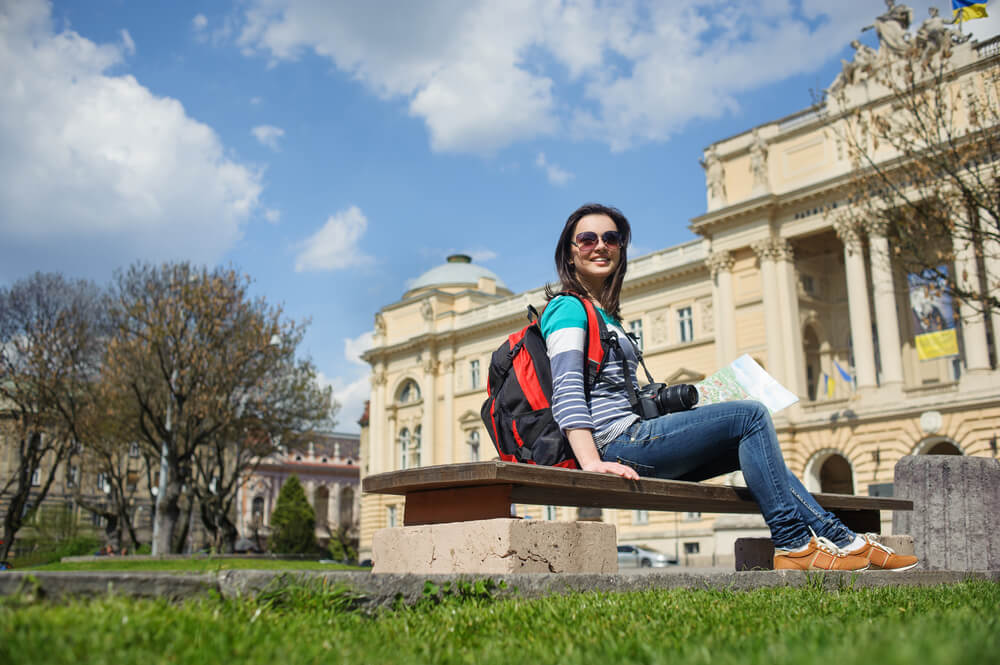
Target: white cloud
{"type": "Point", "coordinates": [127, 42]}
{"type": "Point", "coordinates": [96, 171]}
{"type": "Point", "coordinates": [335, 246]}
{"type": "Point", "coordinates": [199, 22]}
{"type": "Point", "coordinates": [268, 135]}
{"type": "Point", "coordinates": [483, 75]}
{"type": "Point", "coordinates": [255, 100]}
{"type": "Point", "coordinates": [481, 255]}
{"type": "Point", "coordinates": [272, 216]}
{"type": "Point", "coordinates": [352, 390]}
{"type": "Point", "coordinates": [555, 174]}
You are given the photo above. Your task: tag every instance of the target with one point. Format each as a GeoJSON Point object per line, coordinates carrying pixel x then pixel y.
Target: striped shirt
{"type": "Point", "coordinates": [608, 414]}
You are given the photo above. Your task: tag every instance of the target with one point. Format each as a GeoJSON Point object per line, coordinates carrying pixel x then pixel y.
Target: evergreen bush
{"type": "Point", "coordinates": [293, 522]}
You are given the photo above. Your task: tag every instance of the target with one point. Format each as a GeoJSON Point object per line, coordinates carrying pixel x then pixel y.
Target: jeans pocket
{"type": "Point", "coordinates": [641, 469]}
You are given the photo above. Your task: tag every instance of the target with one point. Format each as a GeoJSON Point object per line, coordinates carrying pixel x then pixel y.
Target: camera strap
{"type": "Point", "coordinates": [633, 397]}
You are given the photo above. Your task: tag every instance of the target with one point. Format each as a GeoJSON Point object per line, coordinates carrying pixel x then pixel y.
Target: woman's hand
{"type": "Point", "coordinates": [613, 468]}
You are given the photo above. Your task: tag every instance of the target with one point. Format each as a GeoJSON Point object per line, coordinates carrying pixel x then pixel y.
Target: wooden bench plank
{"type": "Point", "coordinates": [562, 487]}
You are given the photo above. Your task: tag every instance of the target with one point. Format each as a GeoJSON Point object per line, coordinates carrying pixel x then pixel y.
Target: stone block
{"type": "Point", "coordinates": [496, 547]}
{"type": "Point", "coordinates": [955, 521]}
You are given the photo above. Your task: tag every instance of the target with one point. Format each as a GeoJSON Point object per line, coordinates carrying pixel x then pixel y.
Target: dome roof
{"type": "Point", "coordinates": [458, 271]}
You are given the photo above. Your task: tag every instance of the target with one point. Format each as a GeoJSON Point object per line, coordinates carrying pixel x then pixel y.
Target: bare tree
{"type": "Point", "coordinates": [52, 333]}
{"type": "Point", "coordinates": [199, 369]}
{"type": "Point", "coordinates": [925, 151]}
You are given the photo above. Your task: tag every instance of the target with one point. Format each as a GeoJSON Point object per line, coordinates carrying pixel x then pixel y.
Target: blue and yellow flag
{"type": "Point", "coordinates": [967, 10]}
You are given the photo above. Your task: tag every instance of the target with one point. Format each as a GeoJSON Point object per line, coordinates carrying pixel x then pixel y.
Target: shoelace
{"type": "Point", "coordinates": [870, 537]}
{"type": "Point", "coordinates": [828, 547]}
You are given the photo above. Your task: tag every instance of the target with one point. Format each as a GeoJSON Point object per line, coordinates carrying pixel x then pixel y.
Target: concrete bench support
{"type": "Point", "coordinates": [955, 521]}
{"type": "Point", "coordinates": [496, 547]}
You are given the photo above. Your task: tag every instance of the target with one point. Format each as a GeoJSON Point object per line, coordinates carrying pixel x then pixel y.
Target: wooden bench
{"type": "Point", "coordinates": [486, 490]}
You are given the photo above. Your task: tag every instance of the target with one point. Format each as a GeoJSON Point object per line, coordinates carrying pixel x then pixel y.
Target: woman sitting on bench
{"type": "Point", "coordinates": [608, 436]}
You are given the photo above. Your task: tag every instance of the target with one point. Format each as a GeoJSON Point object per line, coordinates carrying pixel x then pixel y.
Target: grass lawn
{"type": "Point", "coordinates": [193, 565]}
{"type": "Point", "coordinates": [887, 626]}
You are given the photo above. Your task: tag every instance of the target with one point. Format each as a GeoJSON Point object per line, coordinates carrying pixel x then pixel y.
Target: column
{"type": "Point", "coordinates": [428, 441]}
{"type": "Point", "coordinates": [377, 435]}
{"type": "Point", "coordinates": [977, 358]}
{"type": "Point", "coordinates": [857, 304]}
{"type": "Point", "coordinates": [886, 312]}
{"type": "Point", "coordinates": [991, 259]}
{"type": "Point", "coordinates": [772, 308]}
{"type": "Point", "coordinates": [720, 265]}
{"type": "Point", "coordinates": [791, 330]}
{"type": "Point", "coordinates": [333, 507]}
{"type": "Point", "coordinates": [448, 426]}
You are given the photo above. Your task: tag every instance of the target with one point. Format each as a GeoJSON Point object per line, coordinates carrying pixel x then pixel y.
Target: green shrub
{"type": "Point", "coordinates": [293, 522]}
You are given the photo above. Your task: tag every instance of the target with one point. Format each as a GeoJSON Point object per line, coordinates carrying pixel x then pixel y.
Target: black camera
{"type": "Point", "coordinates": [657, 399]}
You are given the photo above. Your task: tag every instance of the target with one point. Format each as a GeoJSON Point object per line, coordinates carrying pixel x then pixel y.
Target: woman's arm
{"type": "Point", "coordinates": [582, 443]}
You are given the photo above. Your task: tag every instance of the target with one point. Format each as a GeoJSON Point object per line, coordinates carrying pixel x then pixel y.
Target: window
{"type": "Point", "coordinates": [36, 478]}
{"type": "Point", "coordinates": [133, 450]}
{"type": "Point", "coordinates": [257, 512]}
{"type": "Point", "coordinates": [72, 475]}
{"type": "Point", "coordinates": [640, 517]}
{"type": "Point", "coordinates": [131, 481]}
{"type": "Point", "coordinates": [473, 442]}
{"type": "Point", "coordinates": [473, 373]}
{"type": "Point", "coordinates": [551, 513]}
{"type": "Point", "coordinates": [691, 548]}
{"type": "Point", "coordinates": [635, 327]}
{"type": "Point", "coordinates": [692, 517]}
{"type": "Point", "coordinates": [686, 322]}
{"type": "Point", "coordinates": [404, 447]}
{"type": "Point", "coordinates": [390, 515]}
{"type": "Point", "coordinates": [102, 483]}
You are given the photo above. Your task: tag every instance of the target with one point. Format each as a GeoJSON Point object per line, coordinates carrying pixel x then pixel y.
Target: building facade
{"type": "Point", "coordinates": [819, 302]}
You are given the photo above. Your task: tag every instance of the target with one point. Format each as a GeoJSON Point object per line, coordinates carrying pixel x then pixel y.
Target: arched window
{"type": "Point", "coordinates": [835, 476]}
{"type": "Point", "coordinates": [257, 512]}
{"type": "Point", "coordinates": [403, 447]}
{"type": "Point", "coordinates": [473, 443]}
{"type": "Point", "coordinates": [346, 508]}
{"type": "Point", "coordinates": [321, 500]}
{"type": "Point", "coordinates": [937, 445]}
{"type": "Point", "coordinates": [409, 392]}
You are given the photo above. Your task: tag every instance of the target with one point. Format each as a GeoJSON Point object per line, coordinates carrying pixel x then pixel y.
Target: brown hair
{"type": "Point", "coordinates": [608, 297]}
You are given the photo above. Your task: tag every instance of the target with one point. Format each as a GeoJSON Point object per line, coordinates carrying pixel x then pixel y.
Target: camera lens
{"type": "Point", "coordinates": [681, 397]}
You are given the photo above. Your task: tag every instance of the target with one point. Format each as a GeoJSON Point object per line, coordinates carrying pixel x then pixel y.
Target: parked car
{"type": "Point", "coordinates": [641, 556]}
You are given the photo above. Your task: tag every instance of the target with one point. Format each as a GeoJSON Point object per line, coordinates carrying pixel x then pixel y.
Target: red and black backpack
{"type": "Point", "coordinates": [518, 411]}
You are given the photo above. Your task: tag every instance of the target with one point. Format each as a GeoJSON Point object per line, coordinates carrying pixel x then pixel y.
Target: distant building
{"type": "Point", "coordinates": [328, 466]}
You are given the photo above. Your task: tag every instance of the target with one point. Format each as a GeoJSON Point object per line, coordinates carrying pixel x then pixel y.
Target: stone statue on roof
{"type": "Point", "coordinates": [851, 70]}
{"type": "Point", "coordinates": [715, 178]}
{"type": "Point", "coordinates": [935, 35]}
{"type": "Point", "coordinates": [891, 28]}
{"type": "Point", "coordinates": [758, 162]}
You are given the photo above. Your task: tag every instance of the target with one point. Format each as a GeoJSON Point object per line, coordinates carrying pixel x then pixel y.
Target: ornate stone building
{"type": "Point", "coordinates": [329, 469]}
{"type": "Point", "coordinates": [819, 302]}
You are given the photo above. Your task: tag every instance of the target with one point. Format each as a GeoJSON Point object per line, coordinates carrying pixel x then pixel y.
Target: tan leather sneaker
{"type": "Point", "coordinates": [820, 555]}
{"type": "Point", "coordinates": [882, 557]}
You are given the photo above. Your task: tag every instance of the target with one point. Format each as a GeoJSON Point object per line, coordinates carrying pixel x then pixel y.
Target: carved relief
{"type": "Point", "coordinates": [658, 333]}
{"type": "Point", "coordinates": [707, 315]}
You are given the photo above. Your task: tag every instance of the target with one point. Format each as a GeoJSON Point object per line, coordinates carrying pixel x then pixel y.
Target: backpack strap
{"type": "Point", "coordinates": [596, 342]}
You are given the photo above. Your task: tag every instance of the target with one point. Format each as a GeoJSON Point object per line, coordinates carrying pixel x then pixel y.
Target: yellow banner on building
{"type": "Point", "coordinates": [937, 344]}
{"type": "Point", "coordinates": [933, 314]}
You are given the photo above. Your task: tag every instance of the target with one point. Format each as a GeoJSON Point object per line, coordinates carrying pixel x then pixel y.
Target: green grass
{"type": "Point", "coordinates": [886, 626]}
{"type": "Point", "coordinates": [193, 565]}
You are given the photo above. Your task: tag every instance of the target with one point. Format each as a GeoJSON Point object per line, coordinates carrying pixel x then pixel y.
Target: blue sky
{"type": "Point", "coordinates": [336, 150]}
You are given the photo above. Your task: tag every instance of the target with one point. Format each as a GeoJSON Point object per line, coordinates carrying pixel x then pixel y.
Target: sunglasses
{"type": "Point", "coordinates": [587, 241]}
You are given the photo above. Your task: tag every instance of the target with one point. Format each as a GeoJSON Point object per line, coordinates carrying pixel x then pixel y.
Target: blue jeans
{"type": "Point", "coordinates": [719, 438]}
